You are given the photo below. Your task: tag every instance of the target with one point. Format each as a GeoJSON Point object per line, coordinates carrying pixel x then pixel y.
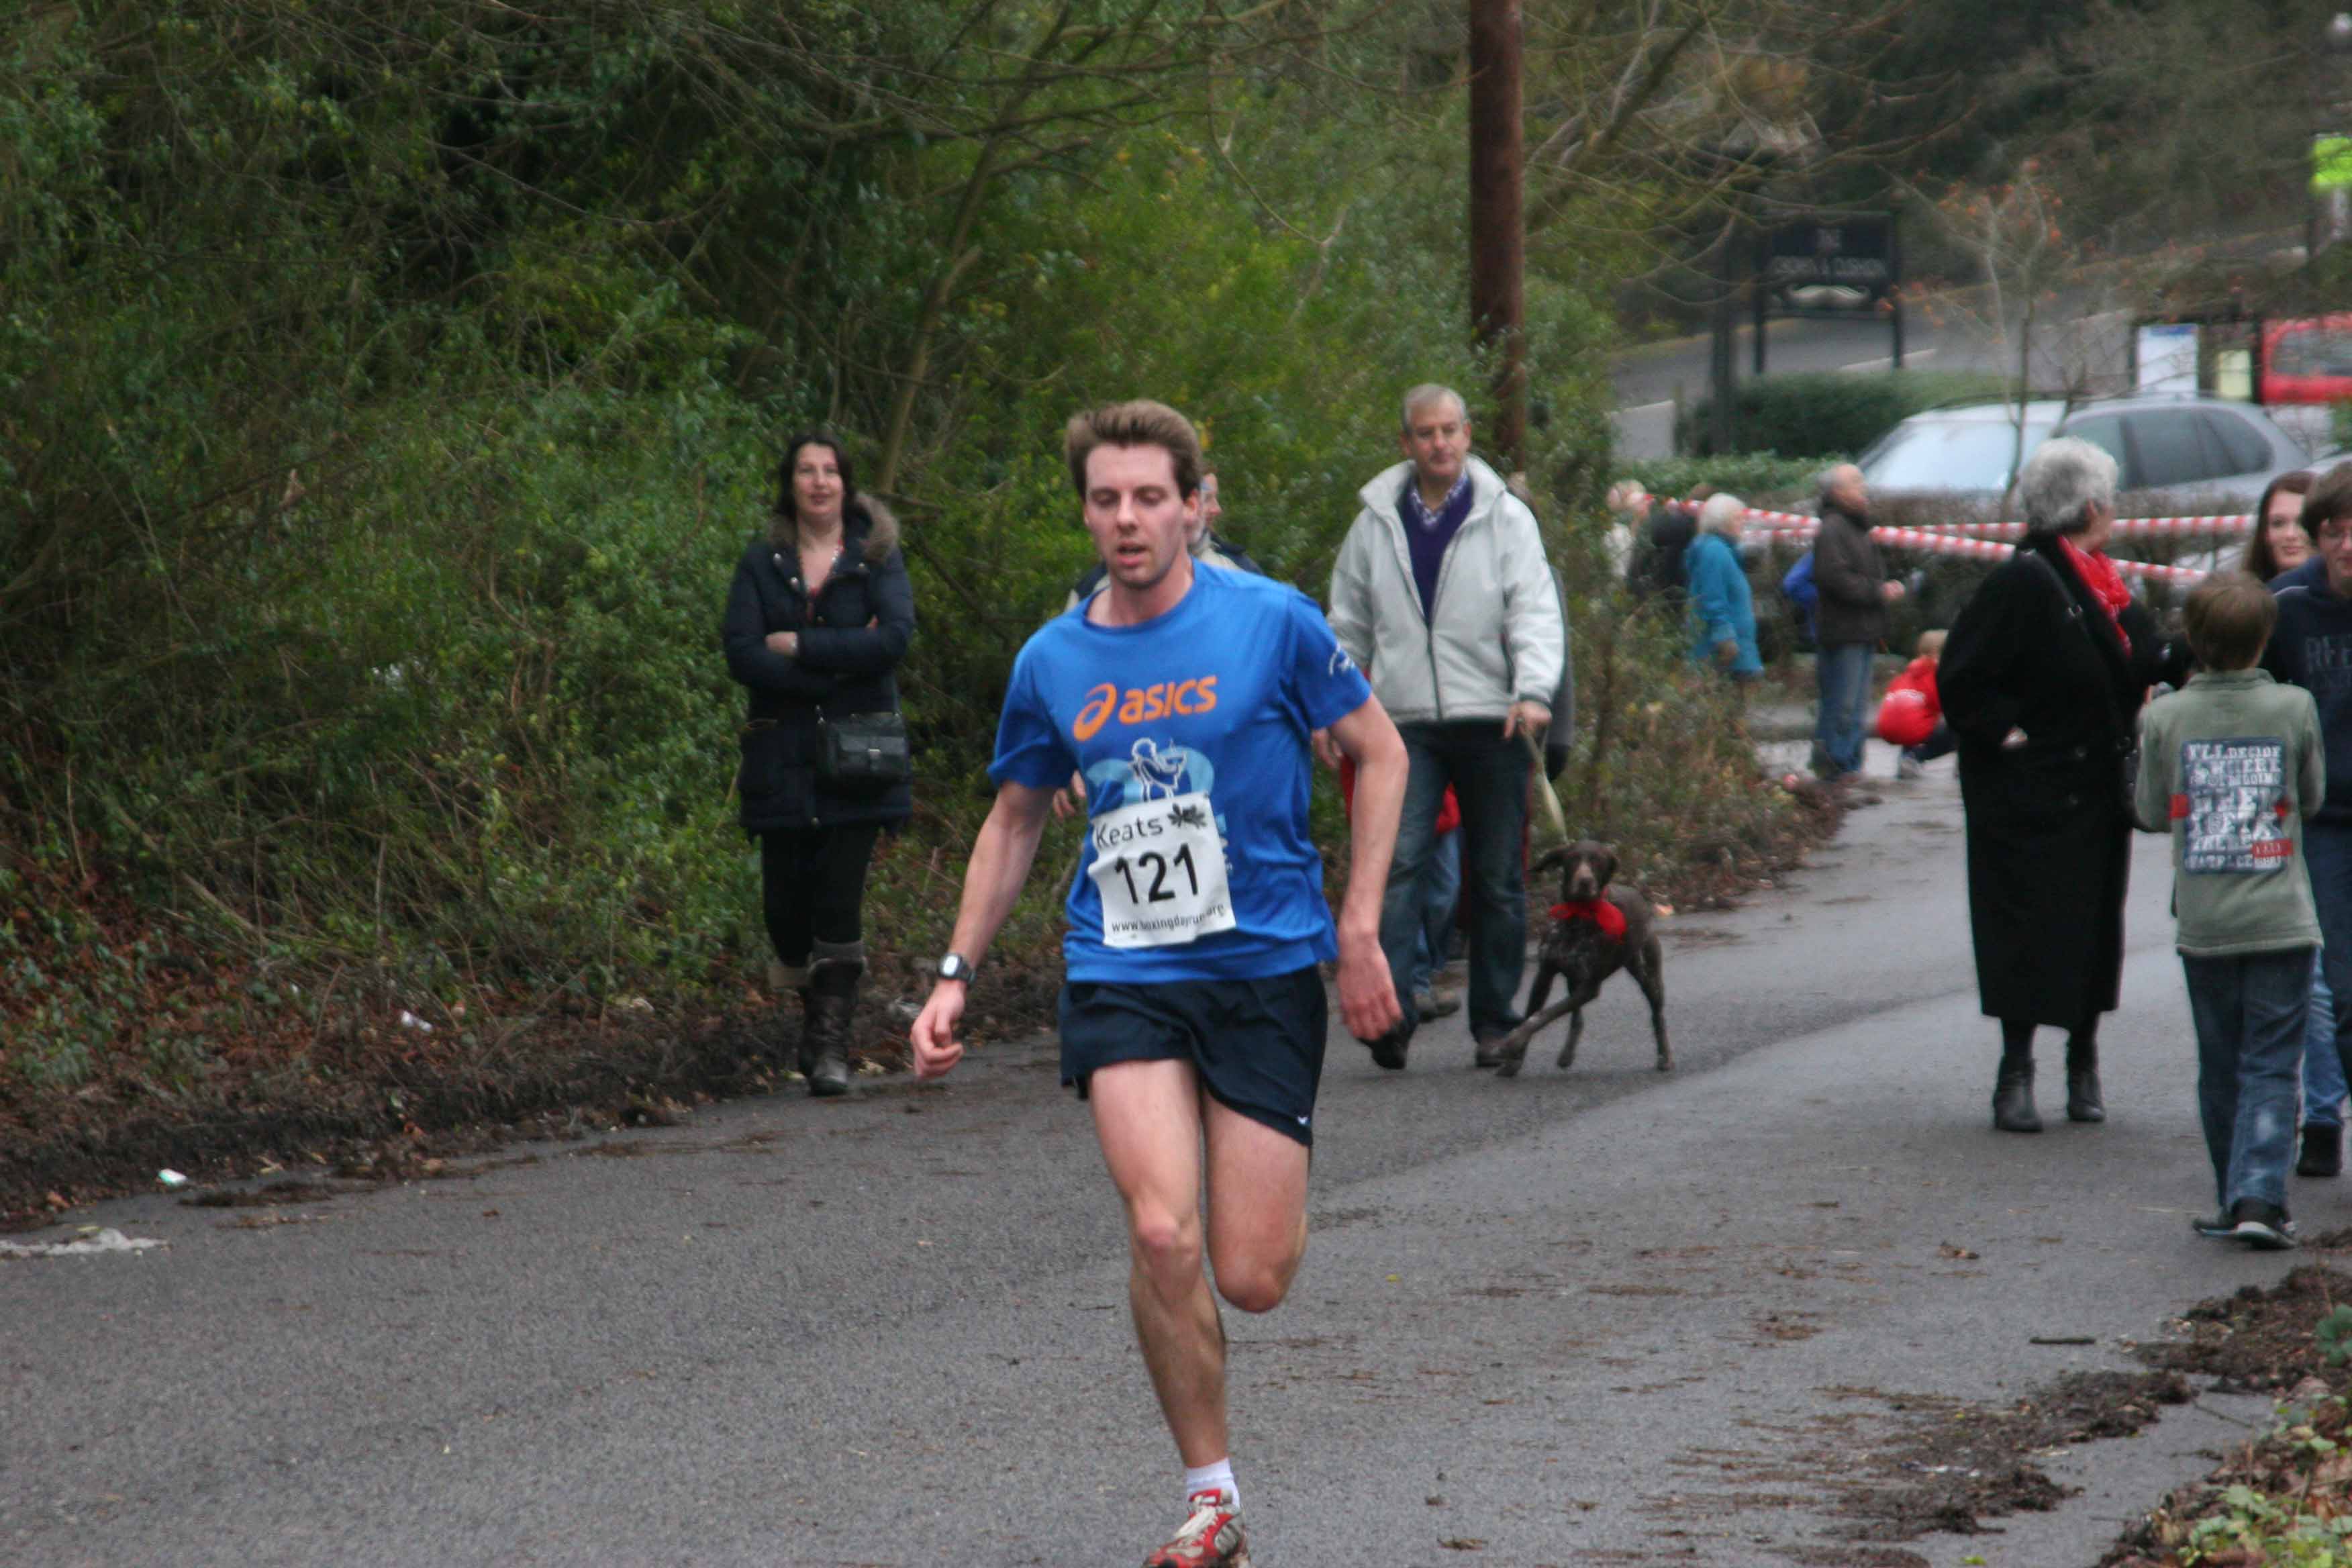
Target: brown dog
{"type": "Point", "coordinates": [1596, 930]}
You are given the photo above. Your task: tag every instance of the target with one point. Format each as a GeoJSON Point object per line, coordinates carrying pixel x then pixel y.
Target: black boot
{"type": "Point", "coordinates": [802, 1052]}
{"type": "Point", "coordinates": [833, 971]}
{"type": "Point", "coordinates": [825, 1049]}
{"type": "Point", "coordinates": [791, 1045]}
{"type": "Point", "coordinates": [2012, 1087]}
{"type": "Point", "coordinates": [2323, 1149]}
{"type": "Point", "coordinates": [2083, 1102]}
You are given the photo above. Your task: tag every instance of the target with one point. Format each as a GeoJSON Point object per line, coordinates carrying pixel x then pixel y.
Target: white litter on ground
{"type": "Point", "coordinates": [107, 1240]}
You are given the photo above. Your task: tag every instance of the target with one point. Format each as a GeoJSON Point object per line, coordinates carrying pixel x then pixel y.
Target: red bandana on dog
{"type": "Point", "coordinates": [1600, 911]}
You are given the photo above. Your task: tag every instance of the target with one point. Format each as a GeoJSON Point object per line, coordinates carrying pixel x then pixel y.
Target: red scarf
{"type": "Point", "coordinates": [1600, 911]}
{"type": "Point", "coordinates": [2106, 585]}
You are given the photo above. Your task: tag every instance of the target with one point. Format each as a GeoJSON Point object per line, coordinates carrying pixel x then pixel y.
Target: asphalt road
{"type": "Point", "coordinates": [1606, 1315]}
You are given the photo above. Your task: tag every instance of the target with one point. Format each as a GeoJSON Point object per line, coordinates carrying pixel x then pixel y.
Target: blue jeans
{"type": "Point", "coordinates": [2328, 855]}
{"type": "Point", "coordinates": [2322, 1070]}
{"type": "Point", "coordinates": [2250, 1015]}
{"type": "Point", "coordinates": [1841, 675]}
{"type": "Point", "coordinates": [1440, 889]}
{"type": "Point", "coordinates": [1489, 775]}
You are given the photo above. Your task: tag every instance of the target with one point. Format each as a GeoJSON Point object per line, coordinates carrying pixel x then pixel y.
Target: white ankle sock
{"type": "Point", "coordinates": [1206, 1477]}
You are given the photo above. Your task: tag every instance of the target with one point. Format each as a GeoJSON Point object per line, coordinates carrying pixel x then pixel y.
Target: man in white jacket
{"type": "Point", "coordinates": [1441, 593]}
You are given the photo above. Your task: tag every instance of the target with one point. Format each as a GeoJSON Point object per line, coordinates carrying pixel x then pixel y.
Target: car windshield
{"type": "Point", "coordinates": [1933, 454]}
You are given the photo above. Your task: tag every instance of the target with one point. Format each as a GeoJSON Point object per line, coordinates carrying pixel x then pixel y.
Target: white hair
{"type": "Point", "coordinates": [1722, 514]}
{"type": "Point", "coordinates": [2062, 481]}
{"type": "Point", "coordinates": [1427, 394]}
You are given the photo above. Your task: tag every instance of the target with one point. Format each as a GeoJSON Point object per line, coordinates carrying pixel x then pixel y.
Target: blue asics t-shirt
{"type": "Point", "coordinates": [1191, 730]}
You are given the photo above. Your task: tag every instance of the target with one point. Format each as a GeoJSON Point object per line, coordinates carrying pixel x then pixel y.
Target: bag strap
{"type": "Point", "coordinates": [2075, 613]}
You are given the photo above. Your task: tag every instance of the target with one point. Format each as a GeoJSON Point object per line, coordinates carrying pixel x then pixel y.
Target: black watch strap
{"type": "Point", "coordinates": [956, 966]}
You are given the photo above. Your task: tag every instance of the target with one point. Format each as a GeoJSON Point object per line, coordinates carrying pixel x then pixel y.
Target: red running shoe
{"type": "Point", "coordinates": [1211, 1538]}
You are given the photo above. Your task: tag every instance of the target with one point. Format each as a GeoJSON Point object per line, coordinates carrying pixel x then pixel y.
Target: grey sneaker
{"type": "Point", "coordinates": [1908, 767]}
{"type": "Point", "coordinates": [2218, 1226]}
{"type": "Point", "coordinates": [2263, 1226]}
{"type": "Point", "coordinates": [1436, 1003]}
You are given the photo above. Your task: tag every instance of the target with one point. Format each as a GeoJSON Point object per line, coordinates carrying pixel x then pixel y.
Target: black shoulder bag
{"type": "Point", "coordinates": [863, 753]}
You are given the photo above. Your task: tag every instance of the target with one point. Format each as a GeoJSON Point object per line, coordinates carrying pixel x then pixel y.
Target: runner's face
{"type": "Point", "coordinates": [1438, 442]}
{"type": "Point", "coordinates": [2290, 546]}
{"type": "Point", "coordinates": [1139, 520]}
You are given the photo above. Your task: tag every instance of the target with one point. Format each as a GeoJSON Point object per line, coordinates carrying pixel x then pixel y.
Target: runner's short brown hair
{"type": "Point", "coordinates": [1138, 422]}
{"type": "Point", "coordinates": [2230, 616]}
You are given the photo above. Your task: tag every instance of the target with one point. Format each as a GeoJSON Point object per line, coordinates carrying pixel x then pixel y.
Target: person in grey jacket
{"type": "Point", "coordinates": [1442, 595]}
{"type": "Point", "coordinates": [1855, 594]}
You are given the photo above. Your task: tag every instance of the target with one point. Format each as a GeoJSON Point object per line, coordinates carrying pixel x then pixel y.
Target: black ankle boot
{"type": "Point", "coordinates": [2083, 1102]}
{"type": "Point", "coordinates": [834, 973]}
{"type": "Point", "coordinates": [825, 1045]}
{"type": "Point", "coordinates": [2012, 1094]}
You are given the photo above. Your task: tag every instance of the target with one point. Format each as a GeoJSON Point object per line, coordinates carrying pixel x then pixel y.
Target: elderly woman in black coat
{"type": "Point", "coordinates": [2042, 681]}
{"type": "Point", "coordinates": [817, 620]}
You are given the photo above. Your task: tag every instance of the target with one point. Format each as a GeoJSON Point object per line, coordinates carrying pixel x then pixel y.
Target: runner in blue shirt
{"type": "Point", "coordinates": [1193, 1017]}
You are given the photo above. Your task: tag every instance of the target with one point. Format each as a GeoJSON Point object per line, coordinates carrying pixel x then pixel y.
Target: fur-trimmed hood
{"type": "Point", "coordinates": [879, 524]}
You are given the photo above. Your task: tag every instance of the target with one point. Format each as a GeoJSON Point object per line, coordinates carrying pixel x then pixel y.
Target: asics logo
{"type": "Point", "coordinates": [1142, 704]}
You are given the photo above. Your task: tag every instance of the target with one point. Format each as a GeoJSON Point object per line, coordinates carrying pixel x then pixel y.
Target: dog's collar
{"type": "Point", "coordinates": [1600, 911]}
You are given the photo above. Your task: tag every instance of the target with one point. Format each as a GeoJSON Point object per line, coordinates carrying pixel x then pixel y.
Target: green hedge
{"type": "Point", "coordinates": [1761, 478]}
{"type": "Point", "coordinates": [1828, 410]}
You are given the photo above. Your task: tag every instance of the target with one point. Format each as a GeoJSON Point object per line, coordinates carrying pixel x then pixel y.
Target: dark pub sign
{"type": "Point", "coordinates": [1852, 252]}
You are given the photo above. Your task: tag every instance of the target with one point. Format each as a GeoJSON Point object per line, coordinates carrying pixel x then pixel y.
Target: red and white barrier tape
{"type": "Point", "coordinates": [2226, 524]}
{"type": "Point", "coordinates": [2235, 526]}
{"type": "Point", "coordinates": [1934, 543]}
{"type": "Point", "coordinates": [1980, 540]}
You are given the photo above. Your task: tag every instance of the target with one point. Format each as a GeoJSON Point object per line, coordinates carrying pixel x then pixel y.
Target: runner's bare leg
{"type": "Point", "coordinates": [1147, 1119]}
{"type": "Point", "coordinates": [1257, 1208]}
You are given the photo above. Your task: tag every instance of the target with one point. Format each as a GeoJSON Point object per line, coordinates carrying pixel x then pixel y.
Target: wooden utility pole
{"type": "Point", "coordinates": [1498, 300]}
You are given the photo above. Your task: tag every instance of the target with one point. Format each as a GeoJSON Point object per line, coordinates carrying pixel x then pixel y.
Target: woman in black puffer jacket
{"type": "Point", "coordinates": [818, 618]}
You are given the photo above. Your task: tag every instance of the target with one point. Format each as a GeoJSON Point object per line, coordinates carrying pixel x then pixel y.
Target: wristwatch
{"type": "Point", "coordinates": [956, 966]}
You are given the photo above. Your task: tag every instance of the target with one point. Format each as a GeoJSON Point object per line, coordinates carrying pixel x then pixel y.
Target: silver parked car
{"type": "Point", "coordinates": [2175, 449]}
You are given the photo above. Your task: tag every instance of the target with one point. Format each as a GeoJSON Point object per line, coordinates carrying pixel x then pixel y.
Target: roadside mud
{"type": "Point", "coordinates": [1952, 1466]}
{"type": "Point", "coordinates": [2259, 1341]}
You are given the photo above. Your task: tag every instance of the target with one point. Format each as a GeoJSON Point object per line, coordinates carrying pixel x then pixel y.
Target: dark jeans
{"type": "Point", "coordinates": [2328, 855]}
{"type": "Point", "coordinates": [2248, 1012]}
{"type": "Point", "coordinates": [2323, 1070]}
{"type": "Point", "coordinates": [1841, 675]}
{"type": "Point", "coordinates": [812, 883]}
{"type": "Point", "coordinates": [1441, 892]}
{"type": "Point", "coordinates": [1940, 742]}
{"type": "Point", "coordinates": [1489, 775]}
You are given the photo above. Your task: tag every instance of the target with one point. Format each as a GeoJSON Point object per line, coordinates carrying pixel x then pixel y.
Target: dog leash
{"type": "Point", "coordinates": [1543, 782]}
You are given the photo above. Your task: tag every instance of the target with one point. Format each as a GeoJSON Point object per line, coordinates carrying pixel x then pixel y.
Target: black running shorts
{"type": "Point", "coordinates": [1258, 1045]}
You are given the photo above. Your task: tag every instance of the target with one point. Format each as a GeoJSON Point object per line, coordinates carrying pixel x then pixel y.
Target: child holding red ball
{"type": "Point", "coordinates": [1912, 715]}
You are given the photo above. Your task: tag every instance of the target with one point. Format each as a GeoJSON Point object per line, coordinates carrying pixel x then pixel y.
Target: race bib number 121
{"type": "Point", "coordinates": [1160, 867]}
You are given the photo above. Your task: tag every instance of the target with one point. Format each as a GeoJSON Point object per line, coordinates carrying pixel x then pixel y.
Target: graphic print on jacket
{"type": "Point", "coordinates": [2233, 795]}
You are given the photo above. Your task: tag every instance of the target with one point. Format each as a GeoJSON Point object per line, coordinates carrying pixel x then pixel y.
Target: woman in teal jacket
{"type": "Point", "coordinates": [1722, 609]}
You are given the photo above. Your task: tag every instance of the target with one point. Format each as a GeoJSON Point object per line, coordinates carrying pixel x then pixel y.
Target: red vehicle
{"type": "Point", "coordinates": [2307, 360]}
